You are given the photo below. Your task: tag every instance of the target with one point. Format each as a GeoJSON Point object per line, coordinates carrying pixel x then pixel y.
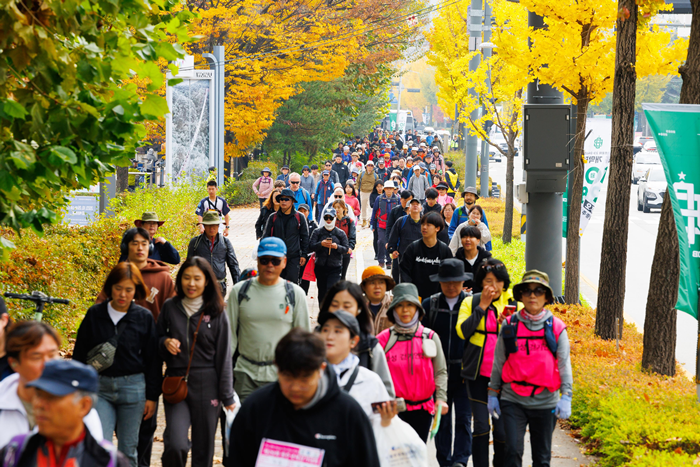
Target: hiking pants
{"type": "Point", "coordinates": [478, 397]}
{"type": "Point", "coordinates": [458, 402]}
{"type": "Point", "coordinates": [516, 419]}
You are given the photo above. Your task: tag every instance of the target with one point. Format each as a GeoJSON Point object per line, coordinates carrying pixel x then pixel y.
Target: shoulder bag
{"type": "Point", "coordinates": [101, 356]}
{"type": "Point", "coordinates": [175, 387]}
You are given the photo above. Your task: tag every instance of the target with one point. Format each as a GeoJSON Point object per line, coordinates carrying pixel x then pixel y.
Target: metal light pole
{"type": "Point", "coordinates": [475, 15]}
{"type": "Point", "coordinates": [486, 47]}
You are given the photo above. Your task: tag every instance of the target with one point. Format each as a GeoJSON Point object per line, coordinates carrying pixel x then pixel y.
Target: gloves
{"type": "Point", "coordinates": [563, 408]}
{"type": "Point", "coordinates": [495, 407]}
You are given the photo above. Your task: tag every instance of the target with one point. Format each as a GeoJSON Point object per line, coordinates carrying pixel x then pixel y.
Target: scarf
{"type": "Point", "coordinates": [329, 225]}
{"type": "Point", "coordinates": [536, 317]}
{"type": "Point", "coordinates": [350, 362]}
{"type": "Point", "coordinates": [405, 328]}
{"type": "Point", "coordinates": [192, 305]}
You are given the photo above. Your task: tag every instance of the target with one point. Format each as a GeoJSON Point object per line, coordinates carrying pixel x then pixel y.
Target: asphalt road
{"type": "Point", "coordinates": [640, 253]}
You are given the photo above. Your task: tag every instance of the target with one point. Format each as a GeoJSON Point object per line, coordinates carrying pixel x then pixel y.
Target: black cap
{"type": "Point", "coordinates": [348, 320]}
{"type": "Point", "coordinates": [287, 193]}
{"type": "Point", "coordinates": [451, 270]}
{"type": "Point", "coordinates": [63, 377]}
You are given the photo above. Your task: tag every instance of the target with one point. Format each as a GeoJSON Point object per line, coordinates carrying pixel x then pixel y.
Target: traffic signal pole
{"type": "Point", "coordinates": [472, 141]}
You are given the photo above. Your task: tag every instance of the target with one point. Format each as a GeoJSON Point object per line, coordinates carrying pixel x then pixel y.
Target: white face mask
{"type": "Point", "coordinates": [329, 225]}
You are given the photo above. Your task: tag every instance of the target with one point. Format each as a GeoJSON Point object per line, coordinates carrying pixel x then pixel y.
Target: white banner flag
{"type": "Point", "coordinates": [597, 154]}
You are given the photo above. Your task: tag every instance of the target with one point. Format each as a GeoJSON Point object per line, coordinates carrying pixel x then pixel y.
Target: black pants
{"type": "Point", "coordinates": [326, 278]}
{"type": "Point", "coordinates": [396, 270]}
{"type": "Point", "coordinates": [382, 255]}
{"type": "Point", "coordinates": [375, 235]}
{"type": "Point", "coordinates": [262, 200]}
{"type": "Point", "coordinates": [420, 420]}
{"type": "Point", "coordinates": [516, 419]}
{"type": "Point", "coordinates": [346, 264]}
{"type": "Point", "coordinates": [458, 402]}
{"type": "Point", "coordinates": [291, 272]}
{"type": "Point", "coordinates": [200, 409]}
{"type": "Point", "coordinates": [146, 432]}
{"type": "Point", "coordinates": [478, 397]}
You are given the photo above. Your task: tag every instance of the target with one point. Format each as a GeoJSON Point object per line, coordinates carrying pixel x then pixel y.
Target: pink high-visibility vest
{"type": "Point", "coordinates": [533, 367]}
{"type": "Point", "coordinates": [411, 371]}
{"type": "Point", "coordinates": [490, 343]}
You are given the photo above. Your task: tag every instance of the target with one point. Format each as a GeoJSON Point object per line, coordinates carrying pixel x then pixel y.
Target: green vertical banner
{"type": "Point", "coordinates": [676, 129]}
{"type": "Point", "coordinates": [392, 120]}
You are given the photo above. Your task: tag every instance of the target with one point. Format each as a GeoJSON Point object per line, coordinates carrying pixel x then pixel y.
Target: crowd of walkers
{"type": "Point", "coordinates": [433, 341]}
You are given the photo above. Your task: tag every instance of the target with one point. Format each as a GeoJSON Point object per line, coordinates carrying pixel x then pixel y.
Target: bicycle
{"type": "Point", "coordinates": [40, 299]}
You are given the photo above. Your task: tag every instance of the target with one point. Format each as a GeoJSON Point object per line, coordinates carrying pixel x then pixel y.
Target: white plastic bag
{"type": "Point", "coordinates": [230, 417]}
{"type": "Point", "coordinates": [398, 445]}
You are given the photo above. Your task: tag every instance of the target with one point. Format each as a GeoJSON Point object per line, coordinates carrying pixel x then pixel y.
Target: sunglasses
{"type": "Point", "coordinates": [338, 196]}
{"type": "Point", "coordinates": [328, 218]}
{"type": "Point", "coordinates": [282, 200]}
{"type": "Point", "coordinates": [265, 260]}
{"type": "Point", "coordinates": [294, 183]}
{"type": "Point", "coordinates": [538, 291]}
{"type": "Point", "coordinates": [490, 267]}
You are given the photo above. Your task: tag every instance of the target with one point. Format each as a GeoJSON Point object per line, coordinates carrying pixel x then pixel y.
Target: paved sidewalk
{"type": "Point", "coordinates": [565, 451]}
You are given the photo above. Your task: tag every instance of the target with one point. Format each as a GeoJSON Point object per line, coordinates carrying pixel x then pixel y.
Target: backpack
{"type": "Point", "coordinates": [403, 223]}
{"type": "Point", "coordinates": [393, 338]}
{"type": "Point", "coordinates": [15, 448]}
{"type": "Point", "coordinates": [274, 218]}
{"type": "Point", "coordinates": [289, 290]}
{"type": "Point", "coordinates": [549, 336]}
{"type": "Point", "coordinates": [430, 318]}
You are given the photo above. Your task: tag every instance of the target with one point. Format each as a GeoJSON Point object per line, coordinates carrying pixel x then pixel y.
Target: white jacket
{"type": "Point", "coordinates": [13, 417]}
{"type": "Point", "coordinates": [368, 388]}
{"type": "Point", "coordinates": [456, 242]}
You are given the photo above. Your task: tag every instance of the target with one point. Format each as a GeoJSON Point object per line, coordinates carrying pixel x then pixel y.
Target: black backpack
{"type": "Point", "coordinates": [289, 290]}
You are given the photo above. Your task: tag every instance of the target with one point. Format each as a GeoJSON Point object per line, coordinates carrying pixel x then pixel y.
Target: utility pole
{"type": "Point", "coordinates": [486, 52]}
{"type": "Point", "coordinates": [475, 15]}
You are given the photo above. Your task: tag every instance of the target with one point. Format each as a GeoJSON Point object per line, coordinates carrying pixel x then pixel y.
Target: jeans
{"type": "Point", "coordinates": [478, 396]}
{"type": "Point", "coordinates": [325, 279]}
{"type": "Point", "coordinates": [120, 404]}
{"type": "Point", "coordinates": [458, 402]}
{"type": "Point", "coordinates": [382, 255]}
{"type": "Point", "coordinates": [516, 419]}
{"type": "Point", "coordinates": [420, 421]}
{"type": "Point", "coordinates": [262, 200]}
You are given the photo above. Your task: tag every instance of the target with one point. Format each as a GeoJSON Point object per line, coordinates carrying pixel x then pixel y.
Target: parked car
{"type": "Point", "coordinates": [644, 161]}
{"type": "Point", "coordinates": [651, 190]}
{"type": "Point", "coordinates": [650, 146]}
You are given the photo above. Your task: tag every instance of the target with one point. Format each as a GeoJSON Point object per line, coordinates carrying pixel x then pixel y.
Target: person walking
{"type": "Point", "coordinates": [261, 310]}
{"type": "Point", "coordinates": [263, 186]}
{"type": "Point", "coordinates": [214, 203]}
{"type": "Point", "coordinates": [215, 249]}
{"type": "Point", "coordinates": [406, 230]}
{"type": "Point", "coordinates": [301, 196]}
{"type": "Point", "coordinates": [418, 183]}
{"type": "Point", "coordinates": [129, 384]}
{"type": "Point", "coordinates": [162, 249]}
{"type": "Point", "coordinates": [341, 169]}
{"type": "Point", "coordinates": [441, 311]}
{"type": "Point", "coordinates": [270, 205]}
{"type": "Point", "coordinates": [471, 254]}
{"type": "Point", "coordinates": [377, 287]}
{"type": "Point", "coordinates": [380, 213]}
{"type": "Point", "coordinates": [324, 192]}
{"type": "Point", "coordinates": [422, 257]}
{"type": "Point", "coordinates": [366, 182]}
{"type": "Point", "coordinates": [531, 382]}
{"type": "Point", "coordinates": [443, 198]}
{"type": "Point", "coordinates": [304, 406]}
{"type": "Point", "coordinates": [284, 176]}
{"type": "Point", "coordinates": [461, 215]}
{"type": "Point", "coordinates": [476, 213]}
{"type": "Point", "coordinates": [397, 212]}
{"type": "Point", "coordinates": [376, 193]}
{"type": "Point", "coordinates": [330, 244]}
{"type": "Point", "coordinates": [287, 224]}
{"type": "Point", "coordinates": [416, 360]}
{"type": "Point", "coordinates": [447, 212]}
{"type": "Point", "coordinates": [347, 225]}
{"type": "Point", "coordinates": [63, 396]}
{"type": "Point", "coordinates": [478, 323]}
{"type": "Point", "coordinates": [30, 345]}
{"type": "Point", "coordinates": [307, 181]}
{"type": "Point", "coordinates": [351, 197]}
{"type": "Point", "coordinates": [347, 296]}
{"type": "Point", "coordinates": [333, 174]}
{"type": "Point", "coordinates": [194, 336]}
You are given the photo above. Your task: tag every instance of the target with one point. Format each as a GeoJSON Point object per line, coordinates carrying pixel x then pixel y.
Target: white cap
{"type": "Point", "coordinates": [389, 184]}
{"type": "Point", "coordinates": [346, 148]}
{"type": "Point", "coordinates": [422, 145]}
{"type": "Point", "coordinates": [369, 163]}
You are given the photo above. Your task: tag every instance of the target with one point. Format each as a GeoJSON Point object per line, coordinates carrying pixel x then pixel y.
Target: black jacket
{"type": "Point", "coordinates": [402, 235]}
{"type": "Point", "coordinates": [481, 255]}
{"type": "Point", "coordinates": [88, 453]}
{"type": "Point", "coordinates": [418, 262]}
{"type": "Point", "coordinates": [292, 229]}
{"type": "Point", "coordinates": [262, 220]}
{"type": "Point", "coordinates": [444, 321]}
{"type": "Point", "coordinates": [364, 349]}
{"type": "Point", "coordinates": [394, 214]}
{"type": "Point", "coordinates": [436, 207]}
{"type": "Point", "coordinates": [324, 258]}
{"type": "Point", "coordinates": [161, 252]}
{"type": "Point", "coordinates": [137, 346]}
{"type": "Point", "coordinates": [383, 174]}
{"type": "Point", "coordinates": [342, 171]}
{"type": "Point", "coordinates": [212, 350]}
{"type": "Point", "coordinates": [336, 424]}
{"type": "Point", "coordinates": [221, 255]}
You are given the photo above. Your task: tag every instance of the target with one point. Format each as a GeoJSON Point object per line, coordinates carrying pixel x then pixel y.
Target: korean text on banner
{"type": "Point", "coordinates": [676, 129]}
{"type": "Point", "coordinates": [597, 153]}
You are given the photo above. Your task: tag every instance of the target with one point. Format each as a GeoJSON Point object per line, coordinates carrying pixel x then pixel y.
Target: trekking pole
{"type": "Point", "coordinates": [39, 299]}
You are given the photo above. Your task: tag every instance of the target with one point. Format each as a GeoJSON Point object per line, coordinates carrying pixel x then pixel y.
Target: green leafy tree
{"type": "Point", "coordinates": [66, 116]}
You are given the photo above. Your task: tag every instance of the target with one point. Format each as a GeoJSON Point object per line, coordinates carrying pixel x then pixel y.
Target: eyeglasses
{"type": "Point", "coordinates": [265, 260]}
{"type": "Point", "coordinates": [294, 183]}
{"type": "Point", "coordinates": [492, 267]}
{"type": "Point", "coordinates": [538, 291]}
{"type": "Point", "coordinates": [328, 218]}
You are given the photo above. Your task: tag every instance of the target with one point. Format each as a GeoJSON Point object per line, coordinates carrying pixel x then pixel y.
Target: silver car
{"type": "Point", "coordinates": [644, 161]}
{"type": "Point", "coordinates": [651, 190]}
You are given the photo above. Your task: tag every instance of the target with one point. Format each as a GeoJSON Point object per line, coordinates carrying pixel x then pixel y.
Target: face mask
{"type": "Point", "coordinates": [329, 225]}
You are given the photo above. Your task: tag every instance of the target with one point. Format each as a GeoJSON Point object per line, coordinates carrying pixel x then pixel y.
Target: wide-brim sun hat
{"type": "Point", "coordinates": [148, 216]}
{"type": "Point", "coordinates": [266, 169]}
{"type": "Point", "coordinates": [472, 190]}
{"type": "Point", "coordinates": [376, 272]}
{"type": "Point", "coordinates": [451, 270]}
{"type": "Point", "coordinates": [533, 276]}
{"type": "Point", "coordinates": [211, 218]}
{"type": "Point", "coordinates": [405, 292]}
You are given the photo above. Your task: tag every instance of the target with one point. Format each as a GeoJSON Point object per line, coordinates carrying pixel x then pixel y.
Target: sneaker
{"type": "Point", "coordinates": [375, 257]}
{"type": "Point", "coordinates": [388, 265]}
{"type": "Point", "coordinates": [458, 464]}
{"type": "Point", "coordinates": [381, 265]}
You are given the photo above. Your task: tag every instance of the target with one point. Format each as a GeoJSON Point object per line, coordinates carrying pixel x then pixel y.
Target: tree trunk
{"type": "Point", "coordinates": [613, 261]}
{"type": "Point", "coordinates": [122, 179]}
{"type": "Point", "coordinates": [508, 220]}
{"type": "Point", "coordinates": [573, 235]}
{"type": "Point", "coordinates": [660, 322]}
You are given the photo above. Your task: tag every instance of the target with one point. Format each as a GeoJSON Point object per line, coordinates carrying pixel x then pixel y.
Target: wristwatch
{"type": "Point", "coordinates": [227, 227]}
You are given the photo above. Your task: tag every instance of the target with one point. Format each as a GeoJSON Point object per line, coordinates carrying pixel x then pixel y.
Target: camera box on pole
{"type": "Point", "coordinates": [546, 138]}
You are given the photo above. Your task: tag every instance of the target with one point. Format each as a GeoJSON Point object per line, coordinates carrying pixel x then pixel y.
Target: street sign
{"type": "Point", "coordinates": [82, 209]}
